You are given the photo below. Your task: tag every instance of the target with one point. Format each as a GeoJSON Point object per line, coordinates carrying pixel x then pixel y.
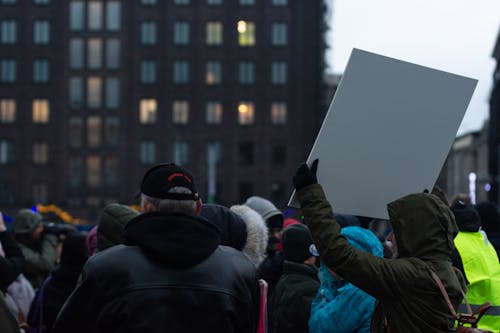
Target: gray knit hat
{"type": "Point", "coordinates": [271, 215]}
{"type": "Point", "coordinates": [25, 221]}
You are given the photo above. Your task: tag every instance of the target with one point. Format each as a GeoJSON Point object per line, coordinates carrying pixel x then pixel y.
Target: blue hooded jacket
{"type": "Point", "coordinates": [339, 306]}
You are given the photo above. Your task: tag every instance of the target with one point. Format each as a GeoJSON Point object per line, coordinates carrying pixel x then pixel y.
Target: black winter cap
{"type": "Point", "coordinates": [158, 180]}
{"type": "Point", "coordinates": [297, 243]}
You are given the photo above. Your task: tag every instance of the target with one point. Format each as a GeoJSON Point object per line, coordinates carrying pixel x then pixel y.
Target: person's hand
{"type": "Point", "coordinates": [2, 223]}
{"type": "Point", "coordinates": [305, 176]}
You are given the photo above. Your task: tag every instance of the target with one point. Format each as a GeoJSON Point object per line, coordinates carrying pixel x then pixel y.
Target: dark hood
{"type": "Point", "coordinates": [176, 240]}
{"type": "Point", "coordinates": [233, 228]}
{"type": "Point", "coordinates": [467, 217]}
{"type": "Point", "coordinates": [424, 226]}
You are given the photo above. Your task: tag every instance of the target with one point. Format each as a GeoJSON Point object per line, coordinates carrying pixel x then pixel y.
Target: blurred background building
{"type": "Point", "coordinates": [494, 128]}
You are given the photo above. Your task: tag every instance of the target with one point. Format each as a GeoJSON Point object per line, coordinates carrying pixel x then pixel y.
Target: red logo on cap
{"type": "Point", "coordinates": [172, 176]}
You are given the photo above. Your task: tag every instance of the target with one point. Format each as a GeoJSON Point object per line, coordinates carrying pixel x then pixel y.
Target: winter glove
{"type": "Point", "coordinates": [305, 176]}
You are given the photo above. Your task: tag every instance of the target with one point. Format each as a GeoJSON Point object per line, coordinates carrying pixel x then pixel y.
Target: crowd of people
{"type": "Point", "coordinates": [180, 265]}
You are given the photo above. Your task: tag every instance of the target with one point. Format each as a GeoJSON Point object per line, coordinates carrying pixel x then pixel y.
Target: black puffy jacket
{"type": "Point", "coordinates": [170, 276]}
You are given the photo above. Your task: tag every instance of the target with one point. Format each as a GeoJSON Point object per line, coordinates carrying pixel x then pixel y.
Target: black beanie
{"type": "Point", "coordinates": [466, 216]}
{"type": "Point", "coordinates": [74, 250]}
{"type": "Point", "coordinates": [297, 243]}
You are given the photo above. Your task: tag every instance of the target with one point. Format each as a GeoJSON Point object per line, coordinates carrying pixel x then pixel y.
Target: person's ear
{"type": "Point", "coordinates": [199, 203]}
{"type": "Point", "coordinates": [147, 207]}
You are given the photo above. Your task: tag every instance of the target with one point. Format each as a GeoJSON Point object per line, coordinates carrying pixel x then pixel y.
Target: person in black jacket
{"type": "Point", "coordinates": [12, 264]}
{"type": "Point", "coordinates": [170, 275]}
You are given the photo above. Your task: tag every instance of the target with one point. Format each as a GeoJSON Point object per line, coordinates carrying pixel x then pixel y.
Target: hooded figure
{"type": "Point", "coordinates": [233, 230]}
{"type": "Point", "coordinates": [424, 229]}
{"type": "Point", "coordinates": [111, 224]}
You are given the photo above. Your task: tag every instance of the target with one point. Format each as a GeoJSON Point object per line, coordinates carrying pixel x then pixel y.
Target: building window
{"type": "Point", "coordinates": [113, 15]}
{"type": "Point", "coordinates": [41, 2]}
{"type": "Point", "coordinates": [213, 112]}
{"type": "Point", "coordinates": [214, 2]}
{"type": "Point", "coordinates": [40, 193]}
{"type": "Point", "coordinates": [213, 73]}
{"type": "Point", "coordinates": [93, 171]}
{"type": "Point", "coordinates": [41, 71]}
{"type": "Point", "coordinates": [76, 15]}
{"type": "Point", "coordinates": [6, 151]}
{"type": "Point", "coordinates": [112, 131]}
{"type": "Point", "coordinates": [180, 112]}
{"type": "Point", "coordinates": [246, 156]}
{"type": "Point", "coordinates": [75, 172]}
{"type": "Point", "coordinates": [8, 71]}
{"type": "Point", "coordinates": [278, 155]}
{"type": "Point", "coordinates": [181, 152]}
{"type": "Point", "coordinates": [181, 2]}
{"type": "Point", "coordinates": [278, 72]}
{"type": "Point", "coordinates": [148, 33]}
{"type": "Point", "coordinates": [112, 93]}
{"type": "Point", "coordinates": [245, 113]}
{"type": "Point", "coordinates": [8, 32]}
{"type": "Point", "coordinates": [148, 2]}
{"type": "Point", "coordinates": [7, 111]}
{"type": "Point", "coordinates": [280, 2]}
{"type": "Point", "coordinates": [40, 111]}
{"type": "Point", "coordinates": [214, 152]}
{"type": "Point", "coordinates": [75, 132]}
{"type": "Point", "coordinates": [148, 71]}
{"type": "Point", "coordinates": [94, 15]}
{"type": "Point", "coordinates": [94, 92]}
{"type": "Point", "coordinates": [76, 92]}
{"type": "Point", "coordinates": [94, 125]}
{"type": "Point", "coordinates": [279, 34]}
{"type": "Point", "coordinates": [6, 2]}
{"type": "Point", "coordinates": [214, 33]}
{"type": "Point", "coordinates": [112, 53]}
{"type": "Point", "coordinates": [278, 112]}
{"type": "Point", "coordinates": [94, 53]}
{"type": "Point", "coordinates": [40, 152]}
{"type": "Point", "coordinates": [247, 2]}
{"type": "Point", "coordinates": [76, 49]}
{"type": "Point", "coordinates": [181, 33]}
{"type": "Point", "coordinates": [111, 171]}
{"type": "Point", "coordinates": [246, 33]}
{"type": "Point", "coordinates": [147, 111]}
{"type": "Point", "coordinates": [246, 72]}
{"type": "Point", "coordinates": [41, 32]}
{"type": "Point", "coordinates": [181, 72]}
{"type": "Point", "coordinates": [148, 152]}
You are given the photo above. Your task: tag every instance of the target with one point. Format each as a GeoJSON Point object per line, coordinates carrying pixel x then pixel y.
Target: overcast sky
{"type": "Point", "coordinates": [457, 36]}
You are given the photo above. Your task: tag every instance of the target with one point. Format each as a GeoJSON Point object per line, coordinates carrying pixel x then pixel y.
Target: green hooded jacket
{"type": "Point", "coordinates": [424, 228]}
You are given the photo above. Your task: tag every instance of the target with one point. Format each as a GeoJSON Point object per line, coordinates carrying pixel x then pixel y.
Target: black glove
{"type": "Point", "coordinates": [305, 176]}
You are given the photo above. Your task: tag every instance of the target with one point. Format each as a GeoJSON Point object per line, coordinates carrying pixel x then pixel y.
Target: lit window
{"type": "Point", "coordinates": [246, 155]}
{"type": "Point", "coordinates": [214, 33]}
{"type": "Point", "coordinates": [41, 32]}
{"type": "Point", "coordinates": [278, 113]}
{"type": "Point", "coordinates": [181, 152]}
{"type": "Point", "coordinates": [148, 71]}
{"type": "Point", "coordinates": [94, 15]}
{"type": "Point", "coordinates": [75, 179]}
{"type": "Point", "coordinates": [113, 15]}
{"type": "Point", "coordinates": [148, 152]}
{"type": "Point", "coordinates": [94, 92]}
{"type": "Point", "coordinates": [279, 34]}
{"type": "Point", "coordinates": [75, 132]}
{"type": "Point", "coordinates": [8, 32]}
{"type": "Point", "coordinates": [113, 53]}
{"type": "Point", "coordinates": [7, 111]}
{"type": "Point", "coordinates": [112, 93]}
{"type": "Point", "coordinates": [213, 112]}
{"type": "Point", "coordinates": [76, 55]}
{"type": "Point", "coordinates": [278, 72]}
{"type": "Point", "coordinates": [181, 33]}
{"type": "Point", "coordinates": [278, 156]}
{"type": "Point", "coordinates": [112, 131]}
{"type": "Point", "coordinates": [40, 193]}
{"type": "Point", "coordinates": [40, 152]}
{"type": "Point", "coordinates": [245, 113]}
{"type": "Point", "coordinates": [76, 15]}
{"type": "Point", "coordinates": [181, 72]}
{"type": "Point", "coordinates": [181, 2]}
{"type": "Point", "coordinates": [93, 171]}
{"type": "Point", "coordinates": [148, 33]}
{"type": "Point", "coordinates": [213, 73]}
{"type": "Point", "coordinates": [214, 2]}
{"type": "Point", "coordinates": [246, 33]}
{"type": "Point", "coordinates": [147, 112]}
{"type": "Point", "coordinates": [247, 2]}
{"type": "Point", "coordinates": [94, 125]}
{"type": "Point", "coordinates": [280, 2]}
{"type": "Point", "coordinates": [246, 72]}
{"type": "Point", "coordinates": [111, 171]}
{"type": "Point", "coordinates": [40, 111]}
{"type": "Point", "coordinates": [180, 112]}
{"type": "Point", "coordinates": [8, 71]}
{"type": "Point", "coordinates": [6, 151]}
{"type": "Point", "coordinates": [76, 92]}
{"type": "Point", "coordinates": [41, 71]}
{"type": "Point", "coordinates": [94, 53]}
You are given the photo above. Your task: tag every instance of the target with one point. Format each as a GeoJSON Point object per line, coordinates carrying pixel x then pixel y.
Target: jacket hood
{"type": "Point", "coordinates": [232, 227]}
{"type": "Point", "coordinates": [256, 242]}
{"type": "Point", "coordinates": [25, 221]}
{"type": "Point", "coordinates": [466, 217]}
{"type": "Point", "coordinates": [176, 240]}
{"type": "Point", "coordinates": [112, 223]}
{"type": "Point", "coordinates": [424, 226]}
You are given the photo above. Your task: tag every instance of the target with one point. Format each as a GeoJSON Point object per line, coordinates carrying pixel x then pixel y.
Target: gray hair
{"type": "Point", "coordinates": [187, 207]}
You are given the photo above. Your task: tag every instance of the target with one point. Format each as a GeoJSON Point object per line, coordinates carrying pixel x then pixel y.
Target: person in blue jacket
{"type": "Point", "coordinates": [339, 306]}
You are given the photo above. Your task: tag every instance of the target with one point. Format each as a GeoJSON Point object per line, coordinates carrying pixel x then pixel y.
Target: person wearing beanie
{"type": "Point", "coordinates": [291, 301]}
{"type": "Point", "coordinates": [111, 224]}
{"type": "Point", "coordinates": [286, 223]}
{"type": "Point", "coordinates": [332, 310]}
{"type": "Point", "coordinates": [476, 257]}
{"type": "Point", "coordinates": [233, 230]}
{"type": "Point", "coordinates": [490, 221]}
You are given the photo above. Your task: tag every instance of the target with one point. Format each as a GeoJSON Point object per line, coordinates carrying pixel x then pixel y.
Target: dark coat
{"type": "Point", "coordinates": [171, 275]}
{"type": "Point", "coordinates": [13, 263]}
{"type": "Point", "coordinates": [270, 270]}
{"type": "Point", "coordinates": [290, 305]}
